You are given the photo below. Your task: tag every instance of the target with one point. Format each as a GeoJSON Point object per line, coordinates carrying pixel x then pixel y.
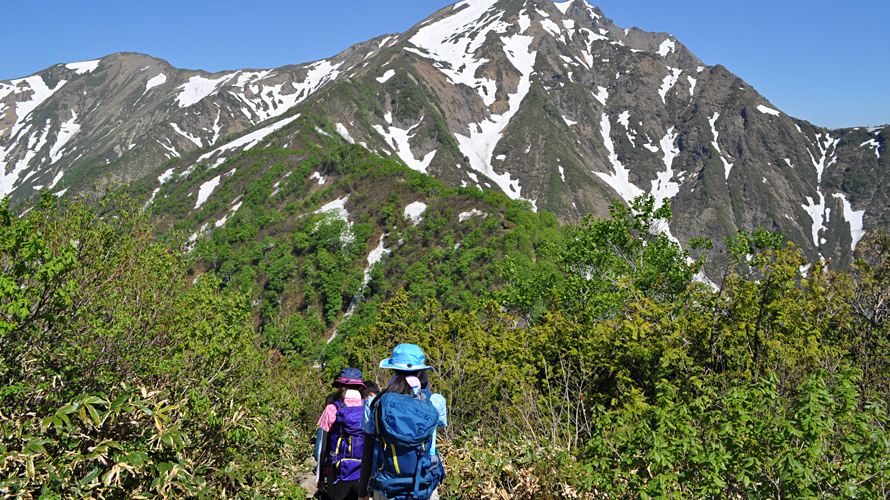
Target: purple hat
{"type": "Point", "coordinates": [406, 357]}
{"type": "Point", "coordinates": [349, 376]}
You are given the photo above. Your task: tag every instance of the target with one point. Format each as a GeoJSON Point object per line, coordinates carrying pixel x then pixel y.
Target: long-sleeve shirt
{"type": "Point", "coordinates": [438, 402]}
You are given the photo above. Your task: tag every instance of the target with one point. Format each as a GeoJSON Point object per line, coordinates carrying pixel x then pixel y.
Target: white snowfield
{"type": "Point", "coordinates": [250, 140]}
{"type": "Point", "coordinates": [400, 139]}
{"type": "Point", "coordinates": [452, 43]}
{"type": "Point", "coordinates": [465, 216]}
{"type": "Point", "coordinates": [386, 76]}
{"type": "Point", "coordinates": [155, 81]}
{"type": "Point", "coordinates": [871, 143]}
{"type": "Point", "coordinates": [261, 100]}
{"type": "Point", "coordinates": [854, 219]}
{"type": "Point", "coordinates": [618, 180]}
{"type": "Point", "coordinates": [414, 212]}
{"type": "Point", "coordinates": [344, 133]}
{"type": "Point", "coordinates": [374, 257]}
{"type": "Point", "coordinates": [39, 92]}
{"type": "Point", "coordinates": [206, 190]}
{"type": "Point", "coordinates": [84, 67]}
{"type": "Point", "coordinates": [669, 81]}
{"type": "Point", "coordinates": [767, 110]}
{"type": "Point", "coordinates": [666, 47]}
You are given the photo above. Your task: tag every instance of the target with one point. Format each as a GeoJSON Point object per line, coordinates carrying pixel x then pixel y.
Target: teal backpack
{"type": "Point", "coordinates": [403, 468]}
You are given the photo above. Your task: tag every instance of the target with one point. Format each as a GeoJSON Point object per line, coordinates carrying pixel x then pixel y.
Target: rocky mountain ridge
{"type": "Point", "coordinates": [547, 102]}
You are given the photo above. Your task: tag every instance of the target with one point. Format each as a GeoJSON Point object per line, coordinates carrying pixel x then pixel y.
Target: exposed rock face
{"type": "Point", "coordinates": [549, 102]}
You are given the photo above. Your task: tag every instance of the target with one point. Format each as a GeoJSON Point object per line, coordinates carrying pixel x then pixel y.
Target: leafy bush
{"type": "Point", "coordinates": [94, 307]}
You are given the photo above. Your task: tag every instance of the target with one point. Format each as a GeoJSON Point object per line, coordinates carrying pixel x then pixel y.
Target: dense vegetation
{"type": "Point", "coordinates": [590, 361]}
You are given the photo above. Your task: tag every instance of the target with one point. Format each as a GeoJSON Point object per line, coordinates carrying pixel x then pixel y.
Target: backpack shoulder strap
{"type": "Point", "coordinates": [375, 411]}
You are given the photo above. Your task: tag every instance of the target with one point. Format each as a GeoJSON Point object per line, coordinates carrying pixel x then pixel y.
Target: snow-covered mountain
{"type": "Point", "coordinates": [547, 102]}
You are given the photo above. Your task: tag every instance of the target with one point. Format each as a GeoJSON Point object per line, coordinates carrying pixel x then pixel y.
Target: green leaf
{"type": "Point", "coordinates": [89, 477]}
{"type": "Point", "coordinates": [94, 415]}
{"type": "Point", "coordinates": [68, 409]}
{"type": "Point", "coordinates": [117, 403]}
{"type": "Point", "coordinates": [37, 445]}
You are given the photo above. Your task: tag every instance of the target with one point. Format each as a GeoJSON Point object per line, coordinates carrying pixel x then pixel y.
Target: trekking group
{"type": "Point", "coordinates": [381, 445]}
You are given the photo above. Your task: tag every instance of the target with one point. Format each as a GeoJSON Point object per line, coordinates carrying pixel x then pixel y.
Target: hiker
{"type": "Point", "coordinates": [400, 460]}
{"type": "Point", "coordinates": [371, 389]}
{"type": "Point", "coordinates": [340, 439]}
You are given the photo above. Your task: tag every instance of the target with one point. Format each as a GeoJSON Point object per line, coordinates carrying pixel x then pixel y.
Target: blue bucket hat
{"type": "Point", "coordinates": [406, 357]}
{"type": "Point", "coordinates": [349, 376]}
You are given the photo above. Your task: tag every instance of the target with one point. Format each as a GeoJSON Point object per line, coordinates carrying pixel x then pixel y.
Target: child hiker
{"type": "Point", "coordinates": [340, 439]}
{"type": "Point", "coordinates": [400, 460]}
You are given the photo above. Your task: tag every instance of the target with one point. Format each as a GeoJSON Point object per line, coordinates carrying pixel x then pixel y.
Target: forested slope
{"type": "Point", "coordinates": [586, 361]}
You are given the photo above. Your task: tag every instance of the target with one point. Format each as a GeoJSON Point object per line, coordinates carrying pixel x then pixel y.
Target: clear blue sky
{"type": "Point", "coordinates": [826, 62]}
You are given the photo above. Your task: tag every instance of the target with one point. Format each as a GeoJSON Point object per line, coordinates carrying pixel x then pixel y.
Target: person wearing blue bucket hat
{"type": "Point", "coordinates": [403, 419]}
{"type": "Point", "coordinates": [406, 357]}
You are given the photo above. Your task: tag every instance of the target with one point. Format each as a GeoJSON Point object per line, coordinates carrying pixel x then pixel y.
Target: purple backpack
{"type": "Point", "coordinates": [347, 442]}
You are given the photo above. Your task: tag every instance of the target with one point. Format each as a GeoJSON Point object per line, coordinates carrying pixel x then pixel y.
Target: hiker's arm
{"type": "Point", "coordinates": [323, 453]}
{"type": "Point", "coordinates": [367, 421]}
{"type": "Point", "coordinates": [367, 466]}
{"type": "Point", "coordinates": [439, 404]}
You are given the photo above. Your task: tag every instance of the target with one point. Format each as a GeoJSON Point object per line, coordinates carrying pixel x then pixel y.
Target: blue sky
{"type": "Point", "coordinates": [826, 62]}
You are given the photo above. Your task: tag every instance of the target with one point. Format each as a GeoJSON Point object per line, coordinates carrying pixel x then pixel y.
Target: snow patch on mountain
{"type": "Point", "coordinates": [198, 88]}
{"type": "Point", "coordinates": [551, 27]}
{"type": "Point", "coordinates": [84, 67]}
{"type": "Point", "coordinates": [816, 211]}
{"type": "Point", "coordinates": [229, 213]}
{"type": "Point", "coordinates": [854, 219]}
{"type": "Point", "coordinates": [712, 120]}
{"type": "Point", "coordinates": [386, 76]}
{"type": "Point", "coordinates": [666, 47]}
{"type": "Point", "coordinates": [171, 151]}
{"type": "Point", "coordinates": [767, 110]}
{"type": "Point", "coordinates": [316, 175]}
{"type": "Point", "coordinates": [619, 179]}
{"type": "Point", "coordinates": [824, 148]}
{"type": "Point", "coordinates": [624, 119]}
{"type": "Point", "coordinates": [465, 216]}
{"type": "Point", "coordinates": [196, 140]}
{"type": "Point", "coordinates": [727, 166]}
{"type": "Point", "coordinates": [344, 133]}
{"type": "Point", "coordinates": [482, 138]}
{"type": "Point", "coordinates": [337, 210]}
{"type": "Point", "coordinates": [400, 139]}
{"type": "Point", "coordinates": [873, 144]}
{"type": "Point", "coordinates": [246, 77]}
{"type": "Point", "coordinates": [563, 6]}
{"type": "Point", "coordinates": [206, 190]}
{"type": "Point", "coordinates": [56, 179]}
{"type": "Point", "coordinates": [601, 95]}
{"type": "Point", "coordinates": [669, 81]}
{"type": "Point", "coordinates": [249, 140]}
{"type": "Point", "coordinates": [155, 81]}
{"type": "Point", "coordinates": [66, 132]}
{"type": "Point", "coordinates": [23, 108]}
{"type": "Point", "coordinates": [166, 176]}
{"type": "Point", "coordinates": [663, 187]}
{"type": "Point", "coordinates": [453, 41]}
{"type": "Point", "coordinates": [374, 257]}
{"type": "Point", "coordinates": [692, 82]}
{"type": "Point", "coordinates": [414, 211]}
{"type": "Point", "coordinates": [216, 127]}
